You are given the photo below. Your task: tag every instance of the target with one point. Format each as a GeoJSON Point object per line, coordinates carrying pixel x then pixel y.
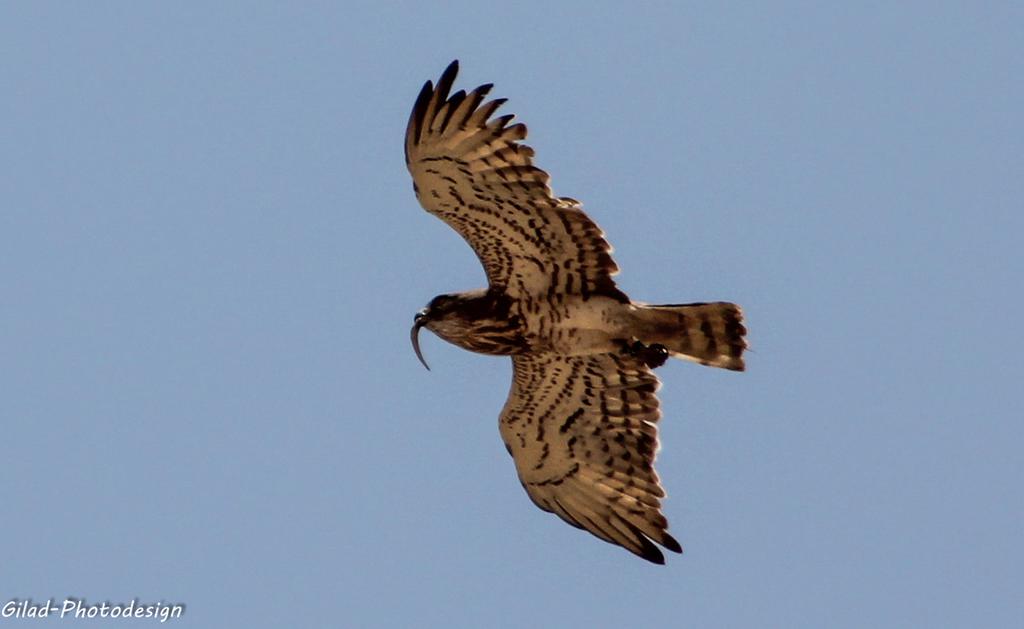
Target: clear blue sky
{"type": "Point", "coordinates": [210, 257]}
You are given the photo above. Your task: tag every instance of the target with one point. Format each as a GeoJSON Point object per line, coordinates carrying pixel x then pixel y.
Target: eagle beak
{"type": "Point", "coordinates": [418, 322]}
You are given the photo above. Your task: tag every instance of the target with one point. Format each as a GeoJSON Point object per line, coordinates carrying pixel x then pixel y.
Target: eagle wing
{"type": "Point", "coordinates": [473, 173]}
{"type": "Point", "coordinates": [582, 433]}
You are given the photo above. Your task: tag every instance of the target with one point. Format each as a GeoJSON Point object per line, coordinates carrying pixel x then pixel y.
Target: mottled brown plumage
{"type": "Point", "coordinates": [580, 418]}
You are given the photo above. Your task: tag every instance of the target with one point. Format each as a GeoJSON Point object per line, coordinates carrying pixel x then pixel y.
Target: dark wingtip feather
{"type": "Point", "coordinates": [670, 543]}
{"type": "Point", "coordinates": [453, 104]}
{"type": "Point", "coordinates": [444, 84]}
{"type": "Point", "coordinates": [419, 110]}
{"type": "Point", "coordinates": [651, 553]}
{"type": "Point", "coordinates": [647, 550]}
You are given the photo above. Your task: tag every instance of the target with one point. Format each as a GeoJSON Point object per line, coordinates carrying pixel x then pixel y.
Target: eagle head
{"type": "Point", "coordinates": [456, 318]}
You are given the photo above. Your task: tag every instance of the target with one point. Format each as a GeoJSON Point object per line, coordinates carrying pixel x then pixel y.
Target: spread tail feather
{"type": "Point", "coordinates": [708, 333]}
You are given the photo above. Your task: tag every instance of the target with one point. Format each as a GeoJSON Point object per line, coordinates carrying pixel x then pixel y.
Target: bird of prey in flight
{"type": "Point", "coordinates": [580, 419]}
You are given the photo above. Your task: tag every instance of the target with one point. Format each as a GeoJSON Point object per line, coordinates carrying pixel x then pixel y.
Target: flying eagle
{"type": "Point", "coordinates": [580, 419]}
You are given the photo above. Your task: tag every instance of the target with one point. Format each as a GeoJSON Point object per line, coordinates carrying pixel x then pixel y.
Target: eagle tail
{"type": "Point", "coordinates": [708, 333]}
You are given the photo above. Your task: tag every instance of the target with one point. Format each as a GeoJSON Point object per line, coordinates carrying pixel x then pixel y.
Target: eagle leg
{"type": "Point", "coordinates": [653, 355]}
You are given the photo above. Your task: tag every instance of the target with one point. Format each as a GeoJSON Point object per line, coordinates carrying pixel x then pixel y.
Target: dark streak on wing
{"type": "Point", "coordinates": [473, 172]}
{"type": "Point", "coordinates": [594, 464]}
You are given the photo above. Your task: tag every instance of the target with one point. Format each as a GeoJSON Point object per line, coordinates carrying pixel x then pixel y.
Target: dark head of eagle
{"type": "Point", "coordinates": [476, 320]}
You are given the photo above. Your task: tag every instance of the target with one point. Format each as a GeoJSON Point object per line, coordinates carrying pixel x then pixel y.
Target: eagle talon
{"type": "Point", "coordinates": [630, 349]}
{"type": "Point", "coordinates": [653, 355]}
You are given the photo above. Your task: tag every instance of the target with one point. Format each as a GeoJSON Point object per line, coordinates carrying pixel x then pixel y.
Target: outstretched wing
{"type": "Point", "coordinates": [581, 430]}
{"type": "Point", "coordinates": [473, 173]}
